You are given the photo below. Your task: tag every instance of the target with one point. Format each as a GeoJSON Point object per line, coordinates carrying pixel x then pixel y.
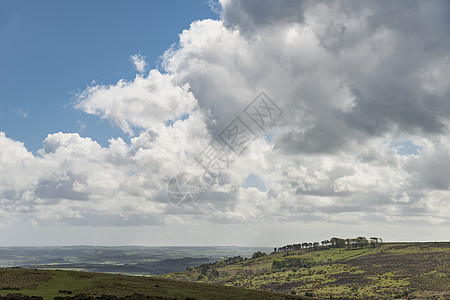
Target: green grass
{"type": "Point", "coordinates": [389, 271]}
{"type": "Point", "coordinates": [122, 285]}
{"type": "Point", "coordinates": [60, 281]}
{"type": "Point", "coordinates": [15, 278]}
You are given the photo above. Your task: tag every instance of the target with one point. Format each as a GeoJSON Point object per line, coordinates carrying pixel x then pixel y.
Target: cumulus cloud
{"type": "Point", "coordinates": [354, 80]}
{"type": "Point", "coordinates": [145, 102]}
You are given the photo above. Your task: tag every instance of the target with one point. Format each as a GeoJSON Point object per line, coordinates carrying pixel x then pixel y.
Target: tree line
{"type": "Point", "coordinates": [349, 243]}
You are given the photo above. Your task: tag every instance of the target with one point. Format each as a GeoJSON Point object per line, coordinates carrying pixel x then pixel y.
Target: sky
{"type": "Point", "coordinates": [237, 122]}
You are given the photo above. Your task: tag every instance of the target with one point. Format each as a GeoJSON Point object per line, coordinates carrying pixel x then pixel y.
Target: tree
{"type": "Point", "coordinates": [349, 242]}
{"type": "Point", "coordinates": [362, 242]}
{"type": "Point", "coordinates": [316, 245]}
{"type": "Point", "coordinates": [334, 242]}
{"type": "Point", "coordinates": [373, 241]}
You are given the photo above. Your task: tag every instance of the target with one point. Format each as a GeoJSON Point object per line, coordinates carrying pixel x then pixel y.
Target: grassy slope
{"type": "Point", "coordinates": [47, 283]}
{"type": "Point", "coordinates": [394, 270]}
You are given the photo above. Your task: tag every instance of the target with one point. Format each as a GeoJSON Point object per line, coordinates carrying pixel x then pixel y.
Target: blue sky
{"type": "Point", "coordinates": [361, 149]}
{"type": "Point", "coordinates": [53, 49]}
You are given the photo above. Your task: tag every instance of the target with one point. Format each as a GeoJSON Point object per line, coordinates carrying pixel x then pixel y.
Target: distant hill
{"type": "Point", "coordinates": [131, 260]}
{"type": "Point", "coordinates": [377, 271]}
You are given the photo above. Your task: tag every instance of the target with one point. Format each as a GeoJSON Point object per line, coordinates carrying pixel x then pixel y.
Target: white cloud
{"type": "Point", "coordinates": [139, 62]}
{"type": "Point", "coordinates": [145, 102]}
{"type": "Point", "coordinates": [350, 79]}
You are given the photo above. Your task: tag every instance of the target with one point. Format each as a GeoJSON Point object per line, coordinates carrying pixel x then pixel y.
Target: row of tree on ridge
{"type": "Point", "coordinates": [352, 243]}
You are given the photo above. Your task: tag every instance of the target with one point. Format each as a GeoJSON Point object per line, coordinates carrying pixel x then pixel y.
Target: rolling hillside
{"type": "Point", "coordinates": [387, 271]}
{"type": "Point", "coordinates": [87, 285]}
{"type": "Point", "coordinates": [381, 271]}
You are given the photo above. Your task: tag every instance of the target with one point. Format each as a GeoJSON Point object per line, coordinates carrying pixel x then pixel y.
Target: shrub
{"type": "Point", "coordinates": [258, 254]}
{"type": "Point", "coordinates": [290, 262]}
{"type": "Point", "coordinates": [201, 277]}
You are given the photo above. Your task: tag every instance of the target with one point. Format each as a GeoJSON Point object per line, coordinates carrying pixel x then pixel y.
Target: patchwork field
{"type": "Point", "coordinates": [130, 260]}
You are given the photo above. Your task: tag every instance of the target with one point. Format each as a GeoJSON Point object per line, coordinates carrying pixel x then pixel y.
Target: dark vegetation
{"type": "Point", "coordinates": [349, 243]}
{"type": "Point", "coordinates": [290, 262]}
{"type": "Point", "coordinates": [56, 284]}
{"type": "Point", "coordinates": [16, 296]}
{"type": "Point", "coordinates": [14, 279]}
{"type": "Point", "coordinates": [357, 268]}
